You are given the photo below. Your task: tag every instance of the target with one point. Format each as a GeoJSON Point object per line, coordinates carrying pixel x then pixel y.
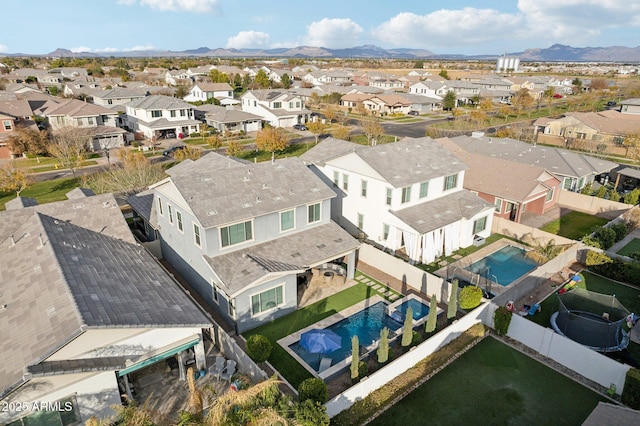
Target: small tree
{"type": "Point", "coordinates": [632, 197]}
{"type": "Point", "coordinates": [501, 320]}
{"type": "Point", "coordinates": [432, 318]}
{"type": "Point", "coordinates": [372, 129]}
{"type": "Point", "coordinates": [449, 101]}
{"type": "Point", "coordinates": [214, 142]}
{"type": "Point", "coordinates": [355, 356]}
{"type": "Point", "coordinates": [407, 328]}
{"type": "Point", "coordinates": [69, 146]}
{"type": "Point", "coordinates": [286, 80]}
{"type": "Point", "coordinates": [262, 79]}
{"type": "Point", "coordinates": [470, 297]}
{"type": "Point", "coordinates": [340, 132]}
{"type": "Point", "coordinates": [444, 74]}
{"type": "Point", "coordinates": [311, 413]}
{"type": "Point", "coordinates": [233, 148]}
{"type": "Point", "coordinates": [258, 347]}
{"type": "Point", "coordinates": [272, 139]}
{"type": "Point", "coordinates": [383, 346]}
{"type": "Point", "coordinates": [317, 128]}
{"type": "Point", "coordinates": [452, 307]}
{"type": "Point", "coordinates": [13, 178]}
{"type": "Point", "coordinates": [189, 152]}
{"type": "Point", "coordinates": [314, 389]}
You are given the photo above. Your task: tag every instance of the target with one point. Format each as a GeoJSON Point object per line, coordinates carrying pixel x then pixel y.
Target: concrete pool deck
{"type": "Point", "coordinates": [457, 269]}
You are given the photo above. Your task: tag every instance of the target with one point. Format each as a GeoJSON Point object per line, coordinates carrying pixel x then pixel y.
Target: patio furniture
{"type": "Point", "coordinates": [229, 371]}
{"type": "Point", "coordinates": [325, 363]}
{"type": "Point", "coordinates": [534, 308]}
{"type": "Point", "coordinates": [218, 367]}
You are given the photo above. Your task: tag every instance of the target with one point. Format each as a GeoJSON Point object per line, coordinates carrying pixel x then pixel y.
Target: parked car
{"type": "Point", "coordinates": [611, 103]}
{"type": "Point", "coordinates": [170, 151]}
{"type": "Point", "coordinates": [169, 135]}
{"type": "Point", "coordinates": [413, 113]}
{"type": "Point", "coordinates": [300, 127]}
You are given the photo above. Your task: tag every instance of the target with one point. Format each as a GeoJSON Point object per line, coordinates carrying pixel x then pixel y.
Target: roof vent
{"type": "Point", "coordinates": [247, 205]}
{"type": "Point", "coordinates": [315, 189]}
{"type": "Point", "coordinates": [265, 186]}
{"type": "Point", "coordinates": [258, 200]}
{"type": "Point", "coordinates": [290, 191]}
{"type": "Point", "coordinates": [51, 311]}
{"type": "Point", "coordinates": [245, 179]}
{"type": "Point", "coordinates": [296, 254]}
{"type": "Point", "coordinates": [94, 297]}
{"type": "Point", "coordinates": [277, 198]}
{"type": "Point", "coordinates": [212, 212]}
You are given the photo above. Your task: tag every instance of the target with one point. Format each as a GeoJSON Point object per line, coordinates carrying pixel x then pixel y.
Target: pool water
{"type": "Point", "coordinates": [503, 266]}
{"type": "Point", "coordinates": [418, 309]}
{"type": "Point", "coordinates": [366, 324]}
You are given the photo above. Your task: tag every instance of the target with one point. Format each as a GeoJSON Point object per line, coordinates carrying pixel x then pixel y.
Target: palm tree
{"type": "Point", "coordinates": [542, 253]}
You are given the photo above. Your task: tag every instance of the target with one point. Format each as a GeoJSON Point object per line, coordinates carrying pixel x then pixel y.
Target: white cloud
{"type": "Point", "coordinates": [3, 48]}
{"type": "Point", "coordinates": [201, 6]}
{"type": "Point", "coordinates": [333, 33]}
{"type": "Point", "coordinates": [107, 50]}
{"type": "Point", "coordinates": [139, 47]}
{"type": "Point", "coordinates": [249, 40]}
{"type": "Point", "coordinates": [80, 49]}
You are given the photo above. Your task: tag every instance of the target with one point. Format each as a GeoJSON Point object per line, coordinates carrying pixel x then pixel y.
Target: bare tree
{"type": "Point", "coordinates": [372, 129]}
{"type": "Point", "coordinates": [272, 139]}
{"type": "Point", "coordinates": [69, 146]}
{"type": "Point", "coordinates": [13, 178]}
{"type": "Point", "coordinates": [28, 140]}
{"type": "Point", "coordinates": [132, 174]}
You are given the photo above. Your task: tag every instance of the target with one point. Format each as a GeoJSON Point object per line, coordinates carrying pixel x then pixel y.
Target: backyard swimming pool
{"type": "Point", "coordinates": [503, 266]}
{"type": "Point", "coordinates": [366, 324]}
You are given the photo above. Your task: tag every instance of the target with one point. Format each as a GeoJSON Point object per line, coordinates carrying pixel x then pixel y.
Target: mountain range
{"type": "Point", "coordinates": [554, 53]}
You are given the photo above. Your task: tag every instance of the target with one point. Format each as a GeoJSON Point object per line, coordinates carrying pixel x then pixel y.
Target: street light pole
{"type": "Point", "coordinates": [106, 153]}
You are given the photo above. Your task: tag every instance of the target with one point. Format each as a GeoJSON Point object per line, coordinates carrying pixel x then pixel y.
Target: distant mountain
{"type": "Point", "coordinates": [560, 52]}
{"type": "Point", "coordinates": [555, 53]}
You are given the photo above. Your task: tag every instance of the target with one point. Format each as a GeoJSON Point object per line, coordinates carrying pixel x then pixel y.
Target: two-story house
{"type": "Point", "coordinates": [277, 107]}
{"type": "Point", "coordinates": [204, 91]}
{"type": "Point", "coordinates": [433, 89]}
{"type": "Point", "coordinates": [101, 122]}
{"type": "Point", "coordinates": [118, 96]}
{"type": "Point", "coordinates": [158, 115]}
{"type": "Point", "coordinates": [82, 307]}
{"type": "Point", "coordinates": [242, 233]}
{"type": "Point", "coordinates": [405, 195]}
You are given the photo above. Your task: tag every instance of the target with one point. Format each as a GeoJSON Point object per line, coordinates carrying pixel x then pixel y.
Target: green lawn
{"type": "Point", "coordinates": [293, 150]}
{"type": "Point", "coordinates": [494, 384]}
{"type": "Point", "coordinates": [632, 247]}
{"type": "Point", "coordinates": [44, 192]}
{"type": "Point", "coordinates": [281, 327]}
{"type": "Point", "coordinates": [574, 225]}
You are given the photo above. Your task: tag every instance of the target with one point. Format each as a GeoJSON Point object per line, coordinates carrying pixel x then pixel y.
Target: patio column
{"type": "Point", "coordinates": [198, 350]}
{"type": "Point", "coordinates": [351, 265]}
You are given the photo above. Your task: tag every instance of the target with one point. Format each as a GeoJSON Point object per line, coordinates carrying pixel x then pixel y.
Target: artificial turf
{"type": "Point", "coordinates": [632, 247]}
{"type": "Point", "coordinates": [574, 225]}
{"type": "Point", "coordinates": [494, 384]}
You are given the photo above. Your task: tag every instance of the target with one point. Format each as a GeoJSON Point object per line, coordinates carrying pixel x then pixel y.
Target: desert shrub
{"type": "Point", "coordinates": [596, 258]}
{"type": "Point", "coordinates": [501, 320]}
{"type": "Point", "coordinates": [363, 369]}
{"type": "Point", "coordinates": [631, 390]}
{"type": "Point", "coordinates": [311, 413]}
{"type": "Point", "coordinates": [470, 297]}
{"type": "Point", "coordinates": [258, 348]}
{"type": "Point", "coordinates": [415, 338]}
{"type": "Point", "coordinates": [313, 389]}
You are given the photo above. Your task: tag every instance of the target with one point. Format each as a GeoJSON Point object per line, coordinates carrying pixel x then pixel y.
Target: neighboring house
{"type": "Point", "coordinates": [423, 103]}
{"type": "Point", "coordinates": [227, 120]}
{"type": "Point", "coordinates": [387, 84]}
{"type": "Point", "coordinates": [404, 195]}
{"type": "Point", "coordinates": [174, 77]}
{"type": "Point", "coordinates": [7, 127]}
{"type": "Point", "coordinates": [118, 96]}
{"type": "Point", "coordinates": [378, 104]}
{"type": "Point", "coordinates": [158, 115]}
{"type": "Point", "coordinates": [574, 168]}
{"type": "Point", "coordinates": [204, 91]}
{"type": "Point", "coordinates": [433, 89]}
{"type": "Point", "coordinates": [101, 122]}
{"type": "Point", "coordinates": [630, 106]}
{"type": "Point", "coordinates": [82, 306]}
{"type": "Point", "coordinates": [242, 233]}
{"type": "Point", "coordinates": [277, 107]}
{"type": "Point", "coordinates": [513, 188]}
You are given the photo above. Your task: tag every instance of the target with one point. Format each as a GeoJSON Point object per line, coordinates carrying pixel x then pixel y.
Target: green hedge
{"type": "Point", "coordinates": [627, 272]}
{"type": "Point", "coordinates": [631, 391]}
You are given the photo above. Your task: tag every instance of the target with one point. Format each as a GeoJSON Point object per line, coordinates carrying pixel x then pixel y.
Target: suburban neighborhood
{"type": "Point", "coordinates": [217, 239]}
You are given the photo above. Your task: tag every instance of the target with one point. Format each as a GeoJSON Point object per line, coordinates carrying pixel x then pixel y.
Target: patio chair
{"type": "Point", "coordinates": [325, 363]}
{"type": "Point", "coordinates": [218, 367]}
{"type": "Point", "coordinates": [229, 371]}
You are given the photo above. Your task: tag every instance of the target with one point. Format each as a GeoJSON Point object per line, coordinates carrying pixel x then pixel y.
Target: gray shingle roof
{"type": "Point", "coordinates": [20, 202]}
{"type": "Point", "coordinates": [291, 253]}
{"type": "Point", "coordinates": [442, 211]}
{"type": "Point", "coordinates": [555, 160]}
{"type": "Point", "coordinates": [143, 204]}
{"type": "Point", "coordinates": [79, 193]}
{"type": "Point", "coordinates": [402, 163]}
{"type": "Point", "coordinates": [159, 102]}
{"type": "Point", "coordinates": [231, 191]}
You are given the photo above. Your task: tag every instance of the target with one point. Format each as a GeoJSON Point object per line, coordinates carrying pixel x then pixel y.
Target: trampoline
{"type": "Point", "coordinates": [592, 319]}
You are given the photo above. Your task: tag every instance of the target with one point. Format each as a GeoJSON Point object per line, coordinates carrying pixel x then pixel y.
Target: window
{"type": "Point", "coordinates": [406, 194]}
{"type": "Point", "coordinates": [549, 196]}
{"type": "Point", "coordinates": [509, 208]}
{"type": "Point", "coordinates": [156, 114]}
{"type": "Point", "coordinates": [297, 104]}
{"type": "Point", "coordinates": [385, 231]}
{"type": "Point", "coordinates": [567, 184]}
{"type": "Point", "coordinates": [215, 293]}
{"type": "Point", "coordinates": [345, 181]}
{"type": "Point", "coordinates": [236, 234]}
{"type": "Point", "coordinates": [277, 105]}
{"type": "Point", "coordinates": [179, 219]}
{"type": "Point", "coordinates": [287, 220]}
{"type": "Point", "coordinates": [183, 113]}
{"type": "Point", "coordinates": [290, 105]}
{"type": "Point", "coordinates": [232, 308]}
{"type": "Point", "coordinates": [196, 234]}
{"type": "Point", "coordinates": [360, 220]}
{"type": "Point", "coordinates": [314, 213]}
{"type": "Point", "coordinates": [160, 207]}
{"type": "Point", "coordinates": [424, 189]}
{"type": "Point", "coordinates": [498, 205]}
{"type": "Point", "coordinates": [479, 225]}
{"type": "Point", "coordinates": [267, 300]}
{"type": "Point", "coordinates": [336, 178]}
{"type": "Point", "coordinates": [363, 189]}
{"type": "Point", "coordinates": [170, 214]}
{"type": "Point", "coordinates": [450, 182]}
{"type": "Point", "coordinates": [90, 121]}
{"type": "Point", "coordinates": [173, 113]}
{"type": "Point", "coordinates": [388, 200]}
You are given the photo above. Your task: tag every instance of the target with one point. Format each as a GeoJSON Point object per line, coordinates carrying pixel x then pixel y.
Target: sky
{"type": "Point", "coordinates": [442, 27]}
